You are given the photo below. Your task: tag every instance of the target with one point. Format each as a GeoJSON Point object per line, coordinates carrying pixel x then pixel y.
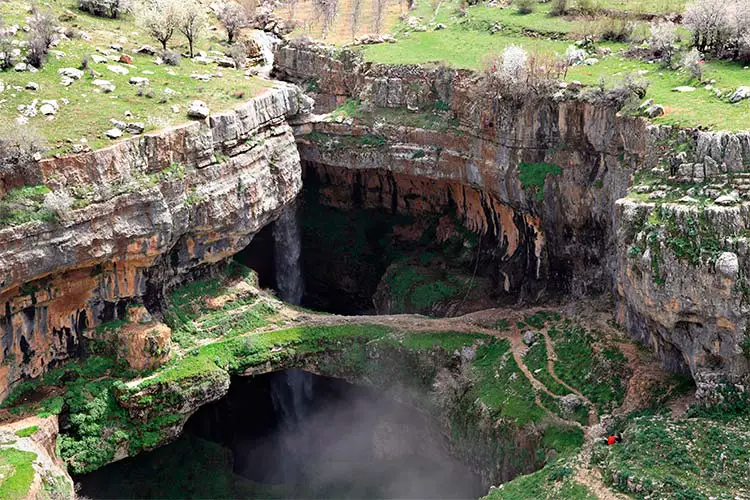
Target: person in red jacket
{"type": "Point", "coordinates": [617, 438]}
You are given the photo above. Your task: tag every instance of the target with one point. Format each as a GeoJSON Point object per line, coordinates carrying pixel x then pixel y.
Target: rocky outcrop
{"type": "Point", "coordinates": [148, 211]}
{"type": "Point", "coordinates": [692, 313]}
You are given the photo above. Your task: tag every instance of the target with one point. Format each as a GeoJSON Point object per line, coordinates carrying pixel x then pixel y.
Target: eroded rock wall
{"type": "Point", "coordinates": [162, 205]}
{"type": "Point", "coordinates": [691, 310]}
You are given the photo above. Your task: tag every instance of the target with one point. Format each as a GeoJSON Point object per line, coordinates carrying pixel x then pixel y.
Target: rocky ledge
{"type": "Point", "coordinates": [148, 210]}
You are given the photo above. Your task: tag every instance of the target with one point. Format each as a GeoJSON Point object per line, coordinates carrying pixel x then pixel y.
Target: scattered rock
{"type": "Point", "coordinates": [683, 88]}
{"type": "Point", "coordinates": [741, 93]}
{"type": "Point", "coordinates": [590, 61]}
{"type": "Point", "coordinates": [726, 200]}
{"type": "Point", "coordinates": [47, 109]}
{"type": "Point", "coordinates": [201, 77]}
{"type": "Point", "coordinates": [203, 60]}
{"type": "Point", "coordinates": [72, 73]}
{"type": "Point", "coordinates": [175, 108]}
{"type": "Point", "coordinates": [138, 80]}
{"type": "Point", "coordinates": [198, 109]}
{"type": "Point", "coordinates": [146, 49]}
{"type": "Point", "coordinates": [21, 67]}
{"type": "Point", "coordinates": [118, 69]}
{"type": "Point", "coordinates": [104, 85]}
{"type": "Point", "coordinates": [113, 133]}
{"type": "Point", "coordinates": [135, 128]}
{"type": "Point", "coordinates": [116, 47]}
{"type": "Point", "coordinates": [654, 111]}
{"type": "Point", "coordinates": [125, 59]}
{"type": "Point", "coordinates": [32, 86]}
{"type": "Point", "coordinates": [226, 62]}
{"type": "Point", "coordinates": [97, 59]}
{"type": "Point", "coordinates": [688, 199]}
{"type": "Point", "coordinates": [646, 104]}
{"type": "Point", "coordinates": [569, 403]}
{"type": "Point", "coordinates": [66, 82]}
{"type": "Point", "coordinates": [728, 265]}
{"type": "Point", "coordinates": [529, 337]}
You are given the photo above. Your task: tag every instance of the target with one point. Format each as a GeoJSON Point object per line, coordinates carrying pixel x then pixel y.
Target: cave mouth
{"type": "Point", "coordinates": [295, 434]}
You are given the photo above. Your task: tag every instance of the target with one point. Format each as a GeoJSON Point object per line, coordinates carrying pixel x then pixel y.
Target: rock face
{"type": "Point", "coordinates": [691, 313]}
{"type": "Point", "coordinates": [166, 203]}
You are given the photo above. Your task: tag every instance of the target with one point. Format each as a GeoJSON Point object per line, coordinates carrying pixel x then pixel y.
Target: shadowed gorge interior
{"type": "Point", "coordinates": [292, 433]}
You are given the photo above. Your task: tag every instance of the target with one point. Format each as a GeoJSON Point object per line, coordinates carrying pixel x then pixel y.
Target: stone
{"type": "Point", "coordinates": [47, 109]}
{"type": "Point", "coordinates": [135, 128]}
{"type": "Point", "coordinates": [728, 265]}
{"type": "Point", "coordinates": [32, 86]}
{"type": "Point", "coordinates": [73, 73]}
{"type": "Point", "coordinates": [138, 80]}
{"type": "Point", "coordinates": [688, 199]}
{"type": "Point", "coordinates": [569, 403]}
{"type": "Point", "coordinates": [116, 47]}
{"type": "Point", "coordinates": [203, 77]}
{"type": "Point", "coordinates": [590, 61]}
{"type": "Point", "coordinates": [726, 200]}
{"type": "Point", "coordinates": [176, 108]}
{"type": "Point", "coordinates": [198, 109]}
{"type": "Point", "coordinates": [104, 85]}
{"type": "Point", "coordinates": [66, 82]}
{"type": "Point", "coordinates": [683, 88]}
{"type": "Point", "coordinates": [146, 50]}
{"type": "Point", "coordinates": [203, 60]}
{"type": "Point", "coordinates": [654, 111]}
{"type": "Point", "coordinates": [97, 59]}
{"type": "Point", "coordinates": [125, 59]}
{"type": "Point", "coordinates": [529, 338]}
{"type": "Point", "coordinates": [646, 104]}
{"type": "Point", "coordinates": [21, 67]}
{"type": "Point", "coordinates": [113, 133]}
{"type": "Point", "coordinates": [226, 62]}
{"type": "Point", "coordinates": [742, 92]}
{"type": "Point", "coordinates": [118, 69]}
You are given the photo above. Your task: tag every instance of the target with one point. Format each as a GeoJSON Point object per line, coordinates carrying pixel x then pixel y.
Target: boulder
{"type": "Point", "coordinates": [146, 49]}
{"type": "Point", "coordinates": [198, 109]}
{"type": "Point", "coordinates": [569, 403]}
{"type": "Point", "coordinates": [32, 86]}
{"type": "Point", "coordinates": [726, 200]}
{"type": "Point", "coordinates": [135, 128]}
{"type": "Point", "coordinates": [47, 109]}
{"type": "Point", "coordinates": [104, 85]}
{"type": "Point", "coordinates": [98, 59]}
{"type": "Point", "coordinates": [72, 73]}
{"type": "Point", "coordinates": [125, 59]}
{"type": "Point", "coordinates": [21, 67]}
{"type": "Point", "coordinates": [684, 88]}
{"type": "Point", "coordinates": [654, 111]}
{"type": "Point", "coordinates": [741, 93]}
{"type": "Point", "coordinates": [529, 338]}
{"type": "Point", "coordinates": [118, 69]}
{"type": "Point", "coordinates": [728, 265]}
{"type": "Point", "coordinates": [113, 133]}
{"type": "Point", "coordinates": [138, 80]}
{"type": "Point", "coordinates": [226, 62]}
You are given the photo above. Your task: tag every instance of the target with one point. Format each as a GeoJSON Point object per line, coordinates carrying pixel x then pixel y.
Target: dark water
{"type": "Point", "coordinates": [292, 434]}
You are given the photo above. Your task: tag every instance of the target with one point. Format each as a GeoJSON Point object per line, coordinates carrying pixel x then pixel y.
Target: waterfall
{"type": "Point", "coordinates": [287, 248]}
{"type": "Point", "coordinates": [265, 41]}
{"type": "Point", "coordinates": [291, 394]}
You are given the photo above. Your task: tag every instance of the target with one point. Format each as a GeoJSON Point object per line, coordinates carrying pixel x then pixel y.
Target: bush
{"type": "Point", "coordinates": [719, 28]}
{"type": "Point", "coordinates": [525, 6]}
{"type": "Point", "coordinates": [58, 202]}
{"type": "Point", "coordinates": [6, 54]}
{"type": "Point", "coordinates": [42, 28]}
{"type": "Point", "coordinates": [105, 8]}
{"type": "Point", "coordinates": [692, 63]}
{"type": "Point", "coordinates": [559, 8]}
{"type": "Point", "coordinates": [662, 41]}
{"type": "Point", "coordinates": [516, 73]}
{"type": "Point", "coordinates": [614, 29]}
{"type": "Point", "coordinates": [19, 148]}
{"type": "Point", "coordinates": [238, 55]}
{"type": "Point", "coordinates": [171, 57]}
{"type": "Point", "coordinates": [587, 7]}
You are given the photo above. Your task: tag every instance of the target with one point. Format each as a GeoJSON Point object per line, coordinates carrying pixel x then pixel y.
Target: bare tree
{"type": "Point", "coordinates": [354, 16]}
{"type": "Point", "coordinates": [291, 6]}
{"type": "Point", "coordinates": [42, 27]}
{"type": "Point", "coordinates": [192, 22]}
{"type": "Point", "coordinates": [234, 18]}
{"type": "Point", "coordinates": [378, 11]}
{"type": "Point", "coordinates": [325, 14]}
{"type": "Point", "coordinates": [160, 18]}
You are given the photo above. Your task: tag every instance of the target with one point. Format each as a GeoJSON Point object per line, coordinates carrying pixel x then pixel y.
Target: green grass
{"type": "Point", "coordinates": [533, 175]}
{"type": "Point", "coordinates": [24, 204]}
{"type": "Point", "coordinates": [599, 375]}
{"type": "Point", "coordinates": [27, 431]}
{"type": "Point", "coordinates": [553, 482]}
{"type": "Point", "coordinates": [449, 341]}
{"type": "Point", "coordinates": [536, 361]}
{"type": "Point", "coordinates": [502, 386]}
{"type": "Point", "coordinates": [88, 114]}
{"type": "Point", "coordinates": [16, 473]}
{"type": "Point", "coordinates": [689, 458]}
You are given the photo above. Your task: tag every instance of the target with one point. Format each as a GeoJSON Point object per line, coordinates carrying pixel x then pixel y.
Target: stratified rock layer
{"type": "Point", "coordinates": [162, 205]}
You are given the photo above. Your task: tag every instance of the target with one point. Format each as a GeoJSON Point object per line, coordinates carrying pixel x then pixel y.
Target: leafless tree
{"type": "Point", "coordinates": [291, 6]}
{"type": "Point", "coordinates": [325, 14]}
{"type": "Point", "coordinates": [234, 17]}
{"type": "Point", "coordinates": [378, 12]}
{"type": "Point", "coordinates": [160, 18]}
{"type": "Point", "coordinates": [192, 22]}
{"type": "Point", "coordinates": [354, 16]}
{"type": "Point", "coordinates": [41, 35]}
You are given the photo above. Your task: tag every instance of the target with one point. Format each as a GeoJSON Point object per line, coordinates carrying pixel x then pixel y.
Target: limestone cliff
{"type": "Point", "coordinates": [558, 165]}
{"type": "Point", "coordinates": [154, 208]}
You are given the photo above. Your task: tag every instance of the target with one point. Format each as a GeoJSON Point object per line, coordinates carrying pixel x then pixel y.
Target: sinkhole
{"type": "Point", "coordinates": [294, 434]}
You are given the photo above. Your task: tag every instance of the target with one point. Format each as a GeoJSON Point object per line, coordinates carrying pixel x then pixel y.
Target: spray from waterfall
{"type": "Point", "coordinates": [287, 249]}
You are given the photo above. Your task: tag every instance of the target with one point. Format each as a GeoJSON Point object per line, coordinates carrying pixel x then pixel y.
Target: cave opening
{"type": "Point", "coordinates": [295, 434]}
{"type": "Point", "coordinates": [375, 242]}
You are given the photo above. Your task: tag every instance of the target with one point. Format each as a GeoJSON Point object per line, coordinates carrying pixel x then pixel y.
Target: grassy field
{"type": "Point", "coordinates": [468, 42]}
{"type": "Point", "coordinates": [88, 113]}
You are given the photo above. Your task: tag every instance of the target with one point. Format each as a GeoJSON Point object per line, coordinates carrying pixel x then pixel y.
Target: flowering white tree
{"type": "Point", "coordinates": [160, 18]}
{"type": "Point", "coordinates": [719, 28]}
{"type": "Point", "coordinates": [234, 18]}
{"type": "Point", "coordinates": [513, 69]}
{"type": "Point", "coordinates": [192, 22]}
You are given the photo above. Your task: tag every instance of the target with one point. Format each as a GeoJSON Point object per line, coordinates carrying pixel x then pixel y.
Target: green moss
{"type": "Point", "coordinates": [16, 473]}
{"type": "Point", "coordinates": [554, 481]}
{"type": "Point", "coordinates": [27, 431]}
{"type": "Point", "coordinates": [533, 175]}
